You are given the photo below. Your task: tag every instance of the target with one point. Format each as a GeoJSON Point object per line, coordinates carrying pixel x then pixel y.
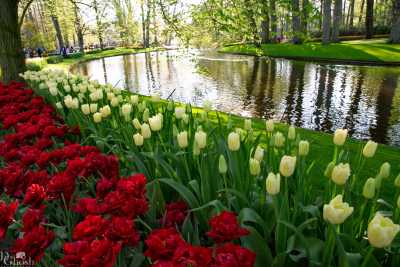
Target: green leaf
{"type": "Point", "coordinates": [257, 244]}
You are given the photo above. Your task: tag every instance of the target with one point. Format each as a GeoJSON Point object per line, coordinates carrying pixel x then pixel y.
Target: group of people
{"type": "Point", "coordinates": [31, 52]}
{"type": "Point", "coordinates": [65, 50]}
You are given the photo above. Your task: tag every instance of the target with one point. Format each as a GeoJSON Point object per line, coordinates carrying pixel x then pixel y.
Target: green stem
{"type": "Point", "coordinates": [369, 254]}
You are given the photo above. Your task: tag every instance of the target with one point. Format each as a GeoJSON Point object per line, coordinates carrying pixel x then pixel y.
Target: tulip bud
{"type": "Point", "coordinates": [273, 183]}
{"type": "Point", "coordinates": [146, 115]}
{"type": "Point", "coordinates": [136, 124]}
{"type": "Point", "coordinates": [126, 109]}
{"type": "Point", "coordinates": [59, 105]}
{"type": "Point", "coordinates": [278, 139]}
{"type": "Point", "coordinates": [398, 202]}
{"type": "Point", "coordinates": [384, 172]}
{"type": "Point", "coordinates": [182, 139]}
{"type": "Point", "coordinates": [200, 138]}
{"type": "Point", "coordinates": [175, 131]}
{"type": "Point", "coordinates": [155, 98]}
{"type": "Point", "coordinates": [369, 188]}
{"type": "Point", "coordinates": [397, 181]}
{"type": "Point", "coordinates": [381, 231]}
{"type": "Point", "coordinates": [340, 173]}
{"type": "Point", "coordinates": [53, 90]}
{"type": "Point", "coordinates": [179, 112]}
{"type": "Point", "coordinates": [340, 137]}
{"type": "Point", "coordinates": [222, 167]}
{"type": "Point", "coordinates": [259, 154]}
{"type": "Point", "coordinates": [185, 118]}
{"type": "Point", "coordinates": [97, 117]}
{"type": "Point", "coordinates": [254, 165]}
{"type": "Point", "coordinates": [337, 211]}
{"type": "Point", "coordinates": [138, 138]}
{"type": "Point", "coordinates": [247, 124]}
{"type": "Point", "coordinates": [304, 148]}
{"type": "Point", "coordinates": [370, 149]}
{"type": "Point", "coordinates": [203, 116]}
{"type": "Point", "coordinates": [145, 131]}
{"type": "Point", "coordinates": [170, 106]}
{"type": "Point", "coordinates": [85, 109]}
{"type": "Point", "coordinates": [196, 149]}
{"type": "Point", "coordinates": [156, 122]}
{"type": "Point", "coordinates": [291, 133]}
{"type": "Point", "coordinates": [269, 125]}
{"type": "Point", "coordinates": [134, 99]}
{"type": "Point", "coordinates": [287, 166]}
{"type": "Point", "coordinates": [329, 169]}
{"type": "Point", "coordinates": [234, 141]}
{"type": "Point", "coordinates": [93, 107]}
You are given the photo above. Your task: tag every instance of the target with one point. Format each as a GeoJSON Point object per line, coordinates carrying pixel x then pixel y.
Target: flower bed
{"type": "Point", "coordinates": [65, 203]}
{"type": "Point", "coordinates": [291, 215]}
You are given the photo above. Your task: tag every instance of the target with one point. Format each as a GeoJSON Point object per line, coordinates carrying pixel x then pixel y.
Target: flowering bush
{"type": "Point", "coordinates": [293, 210]}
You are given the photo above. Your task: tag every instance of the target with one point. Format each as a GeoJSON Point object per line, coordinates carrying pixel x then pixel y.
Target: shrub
{"type": "Point", "coordinates": [54, 59]}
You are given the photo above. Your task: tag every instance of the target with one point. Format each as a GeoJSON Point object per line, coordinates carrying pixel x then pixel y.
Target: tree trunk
{"type": "Point", "coordinates": [274, 22]}
{"type": "Point", "coordinates": [78, 28]}
{"type": "Point", "coordinates": [143, 24]}
{"type": "Point", "coordinates": [337, 18]}
{"type": "Point", "coordinates": [252, 21]}
{"type": "Point", "coordinates": [304, 21]}
{"type": "Point", "coordinates": [12, 59]}
{"type": "Point", "coordinates": [350, 15]}
{"type": "Point", "coordinates": [265, 35]}
{"type": "Point", "coordinates": [57, 27]}
{"type": "Point", "coordinates": [395, 31]}
{"type": "Point", "coordinates": [98, 24]}
{"type": "Point", "coordinates": [326, 23]}
{"type": "Point", "coordinates": [296, 24]}
{"type": "Point", "coordinates": [369, 19]}
{"type": "Point", "coordinates": [361, 12]}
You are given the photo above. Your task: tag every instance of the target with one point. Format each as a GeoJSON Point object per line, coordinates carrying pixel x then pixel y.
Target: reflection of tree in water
{"type": "Point", "coordinates": [383, 108]}
{"type": "Point", "coordinates": [327, 123]}
{"type": "Point", "coordinates": [262, 102]}
{"type": "Point", "coordinates": [320, 97]}
{"type": "Point", "coordinates": [251, 82]}
{"type": "Point", "coordinates": [103, 64]}
{"type": "Point", "coordinates": [149, 73]}
{"type": "Point", "coordinates": [127, 61]}
{"type": "Point", "coordinates": [355, 100]}
{"type": "Point", "coordinates": [296, 81]}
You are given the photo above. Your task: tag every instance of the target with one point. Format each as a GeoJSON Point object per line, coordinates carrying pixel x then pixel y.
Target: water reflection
{"type": "Point", "coordinates": [365, 100]}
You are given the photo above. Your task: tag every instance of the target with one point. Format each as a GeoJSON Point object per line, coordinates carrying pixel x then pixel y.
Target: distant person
{"type": "Point", "coordinates": [31, 53]}
{"type": "Point", "coordinates": [71, 49]}
{"type": "Point", "coordinates": [39, 51]}
{"type": "Point", "coordinates": [64, 51]}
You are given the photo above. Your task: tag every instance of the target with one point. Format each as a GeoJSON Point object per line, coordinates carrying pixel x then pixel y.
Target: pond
{"type": "Point", "coordinates": [323, 97]}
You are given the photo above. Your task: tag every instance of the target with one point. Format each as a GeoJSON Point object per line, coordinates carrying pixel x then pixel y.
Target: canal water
{"type": "Point", "coordinates": [324, 97]}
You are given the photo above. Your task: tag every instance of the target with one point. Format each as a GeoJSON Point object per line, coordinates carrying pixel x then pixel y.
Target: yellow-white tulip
{"type": "Point", "coordinates": [145, 131]}
{"type": "Point", "coordinates": [304, 148]}
{"type": "Point", "coordinates": [370, 149]}
{"type": "Point", "coordinates": [93, 107]}
{"type": "Point", "coordinates": [85, 109]}
{"type": "Point", "coordinates": [369, 188]}
{"type": "Point", "coordinates": [259, 153]}
{"type": "Point", "coordinates": [279, 139]}
{"type": "Point", "coordinates": [179, 112]}
{"type": "Point", "coordinates": [59, 105]}
{"type": "Point", "coordinates": [247, 124]}
{"type": "Point", "coordinates": [136, 124]}
{"type": "Point", "coordinates": [384, 171]}
{"type": "Point", "coordinates": [254, 166]}
{"type": "Point", "coordinates": [234, 141]}
{"type": "Point", "coordinates": [105, 111]}
{"type": "Point", "coordinates": [273, 183]}
{"type": "Point", "coordinates": [337, 211]}
{"type": "Point", "coordinates": [114, 102]}
{"type": "Point", "coordinates": [146, 115]}
{"type": "Point", "coordinates": [200, 138]}
{"type": "Point", "coordinates": [341, 173]}
{"type": "Point", "coordinates": [340, 137]}
{"type": "Point", "coordinates": [381, 231]}
{"type": "Point", "coordinates": [182, 139]}
{"type": "Point", "coordinates": [287, 166]}
{"type": "Point", "coordinates": [97, 117]}
{"type": "Point", "coordinates": [138, 139]}
{"type": "Point", "coordinates": [126, 109]}
{"type": "Point", "coordinates": [291, 133]}
{"type": "Point", "coordinates": [134, 99]}
{"type": "Point", "coordinates": [269, 125]}
{"type": "Point", "coordinates": [397, 181]}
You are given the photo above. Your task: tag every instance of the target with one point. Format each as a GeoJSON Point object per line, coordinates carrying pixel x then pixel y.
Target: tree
{"type": "Point", "coordinates": [79, 29]}
{"type": "Point", "coordinates": [326, 23]}
{"type": "Point", "coordinates": [369, 19]}
{"type": "Point", "coordinates": [350, 15]}
{"type": "Point", "coordinates": [265, 34]}
{"type": "Point", "coordinates": [296, 24]}
{"type": "Point", "coordinates": [274, 22]}
{"type": "Point", "coordinates": [99, 23]}
{"type": "Point", "coordinates": [304, 20]}
{"type": "Point", "coordinates": [337, 19]}
{"type": "Point", "coordinates": [395, 31]}
{"type": "Point", "coordinates": [12, 58]}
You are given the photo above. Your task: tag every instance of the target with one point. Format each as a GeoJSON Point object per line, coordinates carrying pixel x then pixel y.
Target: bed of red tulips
{"type": "Point", "coordinates": [65, 203]}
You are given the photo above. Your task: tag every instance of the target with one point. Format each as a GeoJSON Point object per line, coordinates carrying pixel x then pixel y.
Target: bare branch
{"type": "Point", "coordinates": [25, 9]}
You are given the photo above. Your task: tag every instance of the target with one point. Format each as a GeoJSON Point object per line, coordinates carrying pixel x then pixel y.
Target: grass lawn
{"type": "Point", "coordinates": [371, 51]}
{"type": "Point", "coordinates": [66, 63]}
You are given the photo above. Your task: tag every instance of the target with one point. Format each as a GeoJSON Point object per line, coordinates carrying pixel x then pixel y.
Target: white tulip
{"type": "Point", "coordinates": [179, 112]}
{"type": "Point", "coordinates": [136, 124]}
{"type": "Point", "coordinates": [341, 173]}
{"type": "Point", "coordinates": [234, 141]}
{"type": "Point", "coordinates": [337, 211]}
{"type": "Point", "coordinates": [138, 139]}
{"type": "Point", "coordinates": [156, 122]}
{"type": "Point", "coordinates": [97, 117]}
{"type": "Point", "coordinates": [381, 231]}
{"type": "Point", "coordinates": [259, 154]}
{"type": "Point", "coordinates": [340, 137]}
{"type": "Point", "coordinates": [287, 166]}
{"type": "Point", "coordinates": [93, 107]}
{"type": "Point", "coordinates": [291, 133]}
{"type": "Point", "coordinates": [273, 183]}
{"type": "Point", "coordinates": [145, 130]}
{"type": "Point", "coordinates": [200, 138]}
{"type": "Point", "coordinates": [85, 109]}
{"type": "Point", "coordinates": [269, 125]}
{"type": "Point", "coordinates": [370, 149]}
{"type": "Point", "coordinates": [182, 139]}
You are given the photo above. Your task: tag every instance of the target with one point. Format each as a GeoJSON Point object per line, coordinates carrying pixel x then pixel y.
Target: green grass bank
{"type": "Point", "coordinates": [363, 51]}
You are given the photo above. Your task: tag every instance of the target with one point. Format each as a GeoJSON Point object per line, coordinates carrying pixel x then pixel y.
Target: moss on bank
{"type": "Point", "coordinates": [373, 52]}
